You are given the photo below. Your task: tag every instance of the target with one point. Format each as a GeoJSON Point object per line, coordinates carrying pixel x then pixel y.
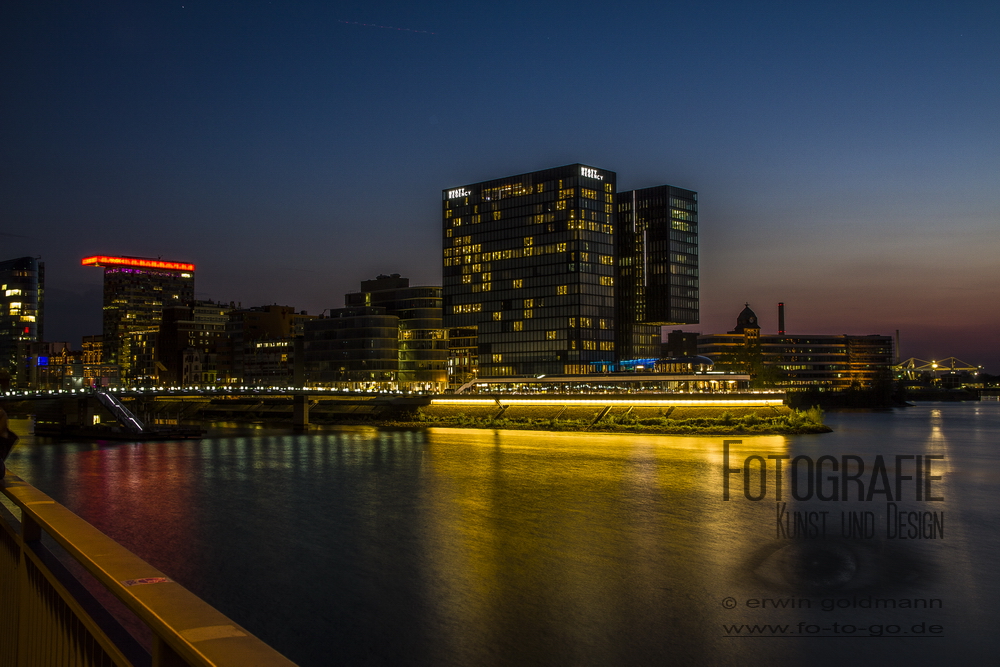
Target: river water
{"type": "Point", "coordinates": [441, 546]}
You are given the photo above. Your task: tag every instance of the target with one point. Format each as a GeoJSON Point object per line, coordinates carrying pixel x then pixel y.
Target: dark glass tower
{"type": "Point", "coordinates": [529, 261]}
{"type": "Point", "coordinates": [657, 282]}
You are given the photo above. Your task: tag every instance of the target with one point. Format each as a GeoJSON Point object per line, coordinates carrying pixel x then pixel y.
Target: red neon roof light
{"type": "Point", "coordinates": [102, 260]}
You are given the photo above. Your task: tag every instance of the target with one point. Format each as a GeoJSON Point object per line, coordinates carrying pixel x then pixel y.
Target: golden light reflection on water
{"type": "Point", "coordinates": [618, 536]}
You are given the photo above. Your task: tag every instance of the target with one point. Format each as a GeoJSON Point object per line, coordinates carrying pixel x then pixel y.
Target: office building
{"type": "Point", "coordinates": [388, 336]}
{"type": "Point", "coordinates": [559, 273]}
{"type": "Point", "coordinates": [800, 361]}
{"type": "Point", "coordinates": [423, 342]}
{"type": "Point", "coordinates": [190, 338]}
{"type": "Point", "coordinates": [529, 261]}
{"type": "Point", "coordinates": [355, 348]}
{"type": "Point", "coordinates": [22, 299]}
{"type": "Point", "coordinates": [136, 289]}
{"type": "Point", "coordinates": [657, 282]}
{"type": "Point", "coordinates": [260, 346]}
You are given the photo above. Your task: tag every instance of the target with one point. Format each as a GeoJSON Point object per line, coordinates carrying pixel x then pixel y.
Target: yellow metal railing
{"type": "Point", "coordinates": [47, 617]}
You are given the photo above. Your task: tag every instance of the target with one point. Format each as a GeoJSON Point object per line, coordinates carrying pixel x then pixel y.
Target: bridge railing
{"type": "Point", "coordinates": [50, 617]}
{"type": "Point", "coordinates": [121, 413]}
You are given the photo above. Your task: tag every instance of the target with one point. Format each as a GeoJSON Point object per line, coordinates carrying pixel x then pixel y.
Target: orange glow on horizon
{"type": "Point", "coordinates": [102, 260]}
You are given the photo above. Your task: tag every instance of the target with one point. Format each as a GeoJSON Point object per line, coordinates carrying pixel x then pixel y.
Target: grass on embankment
{"type": "Point", "coordinates": [722, 423]}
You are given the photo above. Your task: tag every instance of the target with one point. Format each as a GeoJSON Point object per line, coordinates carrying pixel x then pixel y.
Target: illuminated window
{"type": "Point", "coordinates": [566, 194]}
{"type": "Point", "coordinates": [589, 194]}
{"type": "Point", "coordinates": [589, 345]}
{"type": "Point", "coordinates": [572, 322]}
{"type": "Point", "coordinates": [529, 240]}
{"type": "Point", "coordinates": [607, 280]}
{"type": "Point", "coordinates": [528, 314]}
{"type": "Point", "coordinates": [608, 188]}
{"type": "Point", "coordinates": [572, 345]}
{"type": "Point", "coordinates": [487, 277]}
{"type": "Point", "coordinates": [467, 278]}
{"type": "Point", "coordinates": [561, 289]}
{"type": "Point", "coordinates": [550, 335]}
{"type": "Point", "coordinates": [607, 345]}
{"type": "Point", "coordinates": [560, 247]}
{"type": "Point", "coordinates": [560, 205]}
{"type": "Point", "coordinates": [476, 268]}
{"type": "Point", "coordinates": [496, 215]}
{"type": "Point", "coordinates": [584, 256]}
{"type": "Point", "coordinates": [447, 233]}
{"type": "Point", "coordinates": [519, 325]}
{"type": "Point", "coordinates": [607, 259]}
{"type": "Point", "coordinates": [518, 284]}
{"type": "Point", "coordinates": [12, 292]}
{"type": "Point", "coordinates": [586, 322]}
{"type": "Point", "coordinates": [602, 323]}
{"type": "Point", "coordinates": [497, 358]}
{"type": "Point", "coordinates": [497, 316]}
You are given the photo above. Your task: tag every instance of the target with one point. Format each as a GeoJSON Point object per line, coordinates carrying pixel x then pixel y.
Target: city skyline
{"type": "Point", "coordinates": [843, 164]}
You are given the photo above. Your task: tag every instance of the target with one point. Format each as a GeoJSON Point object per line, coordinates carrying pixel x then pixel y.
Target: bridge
{"type": "Point", "coordinates": [914, 368]}
{"type": "Point", "coordinates": [83, 408]}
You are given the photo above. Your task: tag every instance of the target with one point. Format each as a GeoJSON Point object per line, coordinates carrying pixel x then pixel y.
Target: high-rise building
{"type": "Point", "coordinates": [657, 282]}
{"type": "Point", "coordinates": [560, 273]}
{"type": "Point", "coordinates": [136, 289]}
{"type": "Point", "coordinates": [529, 261]}
{"type": "Point", "coordinates": [22, 297]}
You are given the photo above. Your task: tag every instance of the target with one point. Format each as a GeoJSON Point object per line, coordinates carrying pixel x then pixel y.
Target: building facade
{"type": "Point", "coordinates": [800, 361]}
{"type": "Point", "coordinates": [190, 338]}
{"type": "Point", "coordinates": [259, 348]}
{"type": "Point", "coordinates": [136, 289]}
{"type": "Point", "coordinates": [22, 300]}
{"type": "Point", "coordinates": [355, 348]}
{"type": "Point", "coordinates": [529, 262]}
{"type": "Point", "coordinates": [658, 281]}
{"type": "Point", "coordinates": [422, 340]}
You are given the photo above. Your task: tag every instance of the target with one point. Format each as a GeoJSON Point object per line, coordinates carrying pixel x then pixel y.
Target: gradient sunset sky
{"type": "Point", "coordinates": [845, 153]}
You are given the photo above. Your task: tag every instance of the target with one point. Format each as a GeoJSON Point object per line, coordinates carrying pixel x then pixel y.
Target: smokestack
{"type": "Point", "coordinates": [781, 319]}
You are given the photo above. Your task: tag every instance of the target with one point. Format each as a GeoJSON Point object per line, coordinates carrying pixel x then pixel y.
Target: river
{"type": "Point", "coordinates": [443, 546]}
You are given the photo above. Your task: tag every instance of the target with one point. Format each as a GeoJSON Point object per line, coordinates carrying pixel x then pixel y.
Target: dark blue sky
{"type": "Point", "coordinates": [845, 154]}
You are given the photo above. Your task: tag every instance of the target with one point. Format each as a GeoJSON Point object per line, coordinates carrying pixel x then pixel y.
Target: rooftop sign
{"type": "Point", "coordinates": [102, 260]}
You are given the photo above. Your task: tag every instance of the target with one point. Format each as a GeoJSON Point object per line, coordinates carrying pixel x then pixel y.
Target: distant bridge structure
{"type": "Point", "coordinates": [914, 368]}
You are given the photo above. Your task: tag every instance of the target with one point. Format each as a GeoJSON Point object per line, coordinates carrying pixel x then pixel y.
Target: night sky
{"type": "Point", "coordinates": [845, 153]}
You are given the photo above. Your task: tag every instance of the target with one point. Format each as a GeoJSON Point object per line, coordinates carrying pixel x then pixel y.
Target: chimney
{"type": "Point", "coordinates": [781, 319]}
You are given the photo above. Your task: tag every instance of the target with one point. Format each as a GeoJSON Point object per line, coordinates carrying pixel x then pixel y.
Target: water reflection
{"type": "Point", "coordinates": [451, 546]}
